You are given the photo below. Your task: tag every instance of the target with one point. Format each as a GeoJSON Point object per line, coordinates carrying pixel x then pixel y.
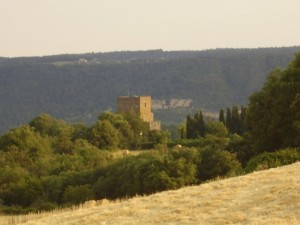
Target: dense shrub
{"type": "Point", "coordinates": [242, 147]}
{"type": "Point", "coordinates": [216, 162]}
{"type": "Point", "coordinates": [78, 194]}
{"type": "Point", "coordinates": [273, 159]}
{"type": "Point", "coordinates": [50, 163]}
{"type": "Point", "coordinates": [148, 173]}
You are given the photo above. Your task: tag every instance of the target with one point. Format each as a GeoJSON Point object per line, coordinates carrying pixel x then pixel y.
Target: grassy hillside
{"type": "Point", "coordinates": [78, 87]}
{"type": "Point", "coordinates": [265, 197]}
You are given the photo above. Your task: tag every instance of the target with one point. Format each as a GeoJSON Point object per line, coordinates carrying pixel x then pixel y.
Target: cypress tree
{"type": "Point", "coordinates": [189, 127]}
{"type": "Point", "coordinates": [235, 120]}
{"type": "Point", "coordinates": [228, 120]}
{"type": "Point", "coordinates": [222, 116]}
{"type": "Point", "coordinates": [243, 122]}
{"type": "Point", "coordinates": [195, 127]}
{"type": "Point", "coordinates": [200, 124]}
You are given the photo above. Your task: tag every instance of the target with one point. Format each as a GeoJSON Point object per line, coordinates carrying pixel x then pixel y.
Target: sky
{"type": "Point", "coordinates": [48, 27]}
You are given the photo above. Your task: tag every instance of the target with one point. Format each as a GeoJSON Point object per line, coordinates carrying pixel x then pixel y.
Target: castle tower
{"type": "Point", "coordinates": [141, 105]}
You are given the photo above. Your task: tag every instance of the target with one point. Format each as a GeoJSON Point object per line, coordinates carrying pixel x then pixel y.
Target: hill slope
{"type": "Point", "coordinates": [266, 197]}
{"type": "Point", "coordinates": [78, 87]}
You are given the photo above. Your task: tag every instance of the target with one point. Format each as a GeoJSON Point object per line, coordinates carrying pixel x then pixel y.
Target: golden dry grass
{"type": "Point", "coordinates": [265, 197]}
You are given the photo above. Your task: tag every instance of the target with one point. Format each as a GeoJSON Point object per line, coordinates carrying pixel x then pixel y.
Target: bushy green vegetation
{"type": "Point", "coordinates": [269, 160]}
{"type": "Point", "coordinates": [49, 163]}
{"type": "Point", "coordinates": [148, 173]}
{"type": "Point", "coordinates": [274, 112]}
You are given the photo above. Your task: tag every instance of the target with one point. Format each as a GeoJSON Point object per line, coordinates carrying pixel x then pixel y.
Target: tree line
{"type": "Point", "coordinates": [49, 163]}
{"type": "Point", "coordinates": [234, 121]}
{"type": "Point", "coordinates": [268, 124]}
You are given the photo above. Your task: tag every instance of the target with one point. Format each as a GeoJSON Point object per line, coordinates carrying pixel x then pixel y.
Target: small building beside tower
{"type": "Point", "coordinates": [141, 105]}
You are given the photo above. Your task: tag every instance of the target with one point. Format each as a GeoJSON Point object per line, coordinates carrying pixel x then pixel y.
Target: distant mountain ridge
{"type": "Point", "coordinates": [77, 87]}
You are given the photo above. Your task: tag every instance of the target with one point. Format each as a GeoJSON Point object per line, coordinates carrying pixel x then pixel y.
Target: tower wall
{"type": "Point", "coordinates": [140, 105]}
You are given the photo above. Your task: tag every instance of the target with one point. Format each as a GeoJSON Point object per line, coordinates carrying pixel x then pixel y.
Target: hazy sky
{"type": "Point", "coordinates": [45, 27]}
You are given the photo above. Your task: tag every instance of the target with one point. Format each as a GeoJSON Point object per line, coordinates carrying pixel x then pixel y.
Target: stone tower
{"type": "Point", "coordinates": [141, 105]}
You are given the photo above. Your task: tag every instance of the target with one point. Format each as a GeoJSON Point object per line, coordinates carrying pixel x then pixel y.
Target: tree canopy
{"type": "Point", "coordinates": [274, 112]}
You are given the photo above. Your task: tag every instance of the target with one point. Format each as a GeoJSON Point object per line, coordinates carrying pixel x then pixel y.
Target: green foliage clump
{"type": "Point", "coordinates": [269, 160]}
{"type": "Point", "coordinates": [159, 137]}
{"type": "Point", "coordinates": [215, 159]}
{"type": "Point", "coordinates": [78, 194]}
{"type": "Point", "coordinates": [37, 161]}
{"type": "Point", "coordinates": [49, 163]}
{"type": "Point", "coordinates": [217, 129]}
{"type": "Point", "coordinates": [242, 147]}
{"type": "Point", "coordinates": [235, 120]}
{"type": "Point", "coordinates": [148, 173]}
{"type": "Point", "coordinates": [104, 135]}
{"type": "Point", "coordinates": [195, 126]}
{"type": "Point", "coordinates": [113, 131]}
{"type": "Point", "coordinates": [217, 163]}
{"type": "Point", "coordinates": [274, 112]}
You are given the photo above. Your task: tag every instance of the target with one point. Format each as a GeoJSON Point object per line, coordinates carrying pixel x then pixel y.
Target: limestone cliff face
{"type": "Point", "coordinates": [171, 104]}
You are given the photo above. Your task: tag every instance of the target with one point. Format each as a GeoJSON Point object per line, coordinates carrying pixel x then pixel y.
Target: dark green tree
{"type": "Point", "coordinates": [195, 126]}
{"type": "Point", "coordinates": [104, 135]}
{"type": "Point", "coordinates": [59, 130]}
{"type": "Point", "coordinates": [139, 127]}
{"type": "Point", "coordinates": [47, 125]}
{"type": "Point", "coordinates": [243, 120]}
{"type": "Point", "coordinates": [235, 120]}
{"type": "Point", "coordinates": [190, 127]}
{"type": "Point", "coordinates": [273, 113]}
{"type": "Point", "coordinates": [222, 116]}
{"type": "Point", "coordinates": [78, 194]}
{"type": "Point", "coordinates": [159, 136]}
{"type": "Point", "coordinates": [216, 162]}
{"type": "Point", "coordinates": [199, 124]}
{"type": "Point", "coordinates": [228, 119]}
{"type": "Point", "coordinates": [126, 133]}
{"type": "Point", "coordinates": [217, 129]}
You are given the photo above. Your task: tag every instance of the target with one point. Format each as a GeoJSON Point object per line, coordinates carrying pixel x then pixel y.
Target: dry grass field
{"type": "Point", "coordinates": [265, 197]}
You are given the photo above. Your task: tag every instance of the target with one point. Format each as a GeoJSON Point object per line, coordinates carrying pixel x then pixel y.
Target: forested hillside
{"type": "Point", "coordinates": [78, 87]}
